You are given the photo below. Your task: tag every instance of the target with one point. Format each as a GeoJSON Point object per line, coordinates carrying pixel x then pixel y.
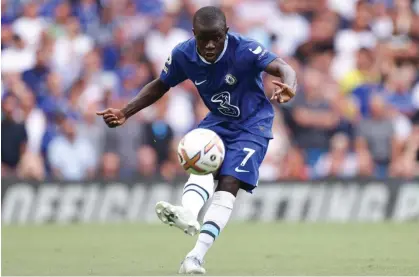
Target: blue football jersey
{"type": "Point", "coordinates": [231, 88]}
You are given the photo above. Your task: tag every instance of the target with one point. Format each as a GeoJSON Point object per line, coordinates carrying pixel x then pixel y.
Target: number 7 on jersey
{"type": "Point", "coordinates": [250, 152]}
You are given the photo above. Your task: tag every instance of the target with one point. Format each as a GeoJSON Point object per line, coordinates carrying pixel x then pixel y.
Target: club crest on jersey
{"type": "Point", "coordinates": [230, 79]}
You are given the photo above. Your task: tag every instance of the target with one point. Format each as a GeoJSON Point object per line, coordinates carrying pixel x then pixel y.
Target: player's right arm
{"type": "Point", "coordinates": [152, 92]}
{"type": "Point", "coordinates": [171, 75]}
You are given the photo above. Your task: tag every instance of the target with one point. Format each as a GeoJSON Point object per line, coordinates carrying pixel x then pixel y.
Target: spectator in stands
{"type": "Point", "coordinates": [339, 161]}
{"type": "Point", "coordinates": [289, 19]}
{"type": "Point", "coordinates": [397, 89]}
{"type": "Point", "coordinates": [73, 105]}
{"type": "Point", "coordinates": [293, 166]}
{"type": "Point", "coordinates": [171, 168]}
{"type": "Point", "coordinates": [90, 127]}
{"type": "Point", "coordinates": [248, 17]}
{"type": "Point", "coordinates": [322, 33]}
{"type": "Point", "coordinates": [125, 144]}
{"type": "Point", "coordinates": [69, 51]}
{"type": "Point", "coordinates": [62, 13]}
{"type": "Point", "coordinates": [71, 156]}
{"type": "Point", "coordinates": [134, 24]}
{"type": "Point", "coordinates": [128, 85]}
{"type": "Point", "coordinates": [407, 166]}
{"type": "Point", "coordinates": [161, 41]}
{"type": "Point", "coordinates": [150, 8]}
{"type": "Point", "coordinates": [31, 163]}
{"type": "Point", "coordinates": [180, 107]}
{"type": "Point", "coordinates": [402, 127]}
{"type": "Point", "coordinates": [18, 57]}
{"type": "Point", "coordinates": [314, 118]}
{"type": "Point", "coordinates": [364, 72]}
{"type": "Point", "coordinates": [53, 94]}
{"type": "Point", "coordinates": [88, 13]}
{"type": "Point", "coordinates": [375, 135]}
{"type": "Point", "coordinates": [36, 77]}
{"type": "Point", "coordinates": [158, 134]}
{"type": "Point", "coordinates": [14, 137]}
{"type": "Point", "coordinates": [35, 123]}
{"type": "Point", "coordinates": [147, 163]}
{"type": "Point", "coordinates": [348, 41]}
{"type": "Point", "coordinates": [276, 151]}
{"type": "Point", "coordinates": [54, 119]}
{"type": "Point", "coordinates": [112, 49]}
{"type": "Point", "coordinates": [30, 25]}
{"type": "Point", "coordinates": [94, 76]}
{"type": "Point", "coordinates": [382, 24]}
{"type": "Point", "coordinates": [110, 167]}
{"type": "Point", "coordinates": [108, 23]}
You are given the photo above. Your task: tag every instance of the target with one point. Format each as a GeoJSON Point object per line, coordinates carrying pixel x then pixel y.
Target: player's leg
{"type": "Point", "coordinates": [215, 220]}
{"type": "Point", "coordinates": [240, 170]}
{"type": "Point", "coordinates": [197, 190]}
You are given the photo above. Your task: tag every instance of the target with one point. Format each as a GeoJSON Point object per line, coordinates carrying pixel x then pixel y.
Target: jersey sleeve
{"type": "Point", "coordinates": [172, 73]}
{"type": "Point", "coordinates": [259, 55]}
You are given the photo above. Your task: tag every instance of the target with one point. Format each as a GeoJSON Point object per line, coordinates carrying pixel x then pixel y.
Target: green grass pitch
{"type": "Point", "coordinates": [242, 249]}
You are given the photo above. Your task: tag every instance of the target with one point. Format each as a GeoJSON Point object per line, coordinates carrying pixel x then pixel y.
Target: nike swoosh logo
{"type": "Point", "coordinates": [258, 50]}
{"type": "Point", "coordinates": [200, 83]}
{"type": "Point", "coordinates": [240, 170]}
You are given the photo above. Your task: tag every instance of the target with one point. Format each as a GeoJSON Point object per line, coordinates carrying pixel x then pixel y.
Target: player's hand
{"type": "Point", "coordinates": [282, 93]}
{"type": "Point", "coordinates": [112, 117]}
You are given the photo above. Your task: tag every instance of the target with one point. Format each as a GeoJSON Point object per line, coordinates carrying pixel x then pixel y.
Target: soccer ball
{"type": "Point", "coordinates": [201, 152]}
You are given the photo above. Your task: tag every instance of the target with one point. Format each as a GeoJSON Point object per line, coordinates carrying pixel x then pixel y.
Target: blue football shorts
{"type": "Point", "coordinates": [243, 156]}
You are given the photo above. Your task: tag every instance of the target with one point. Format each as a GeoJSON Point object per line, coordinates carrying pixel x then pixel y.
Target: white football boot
{"type": "Point", "coordinates": [178, 216]}
{"type": "Point", "coordinates": [192, 265]}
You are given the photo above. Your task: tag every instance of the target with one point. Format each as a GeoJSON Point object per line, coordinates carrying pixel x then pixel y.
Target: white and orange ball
{"type": "Point", "coordinates": [201, 152]}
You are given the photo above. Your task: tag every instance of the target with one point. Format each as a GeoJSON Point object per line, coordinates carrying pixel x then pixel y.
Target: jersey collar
{"type": "Point", "coordinates": [221, 55]}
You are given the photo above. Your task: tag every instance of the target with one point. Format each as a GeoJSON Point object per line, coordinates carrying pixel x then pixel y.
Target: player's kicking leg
{"type": "Point", "coordinates": [197, 190]}
{"type": "Point", "coordinates": [240, 169]}
{"type": "Point", "coordinates": [215, 220]}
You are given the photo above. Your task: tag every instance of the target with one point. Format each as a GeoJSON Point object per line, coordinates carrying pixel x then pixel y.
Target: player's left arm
{"type": "Point", "coordinates": [286, 89]}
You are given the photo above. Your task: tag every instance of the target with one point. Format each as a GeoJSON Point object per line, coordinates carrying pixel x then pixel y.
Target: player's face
{"type": "Point", "coordinates": [210, 41]}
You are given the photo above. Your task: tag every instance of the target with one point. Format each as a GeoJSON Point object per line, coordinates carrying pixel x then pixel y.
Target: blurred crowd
{"type": "Point", "coordinates": [355, 113]}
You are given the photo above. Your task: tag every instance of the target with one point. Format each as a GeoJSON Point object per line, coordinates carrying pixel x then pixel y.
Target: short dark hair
{"type": "Point", "coordinates": [209, 15]}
